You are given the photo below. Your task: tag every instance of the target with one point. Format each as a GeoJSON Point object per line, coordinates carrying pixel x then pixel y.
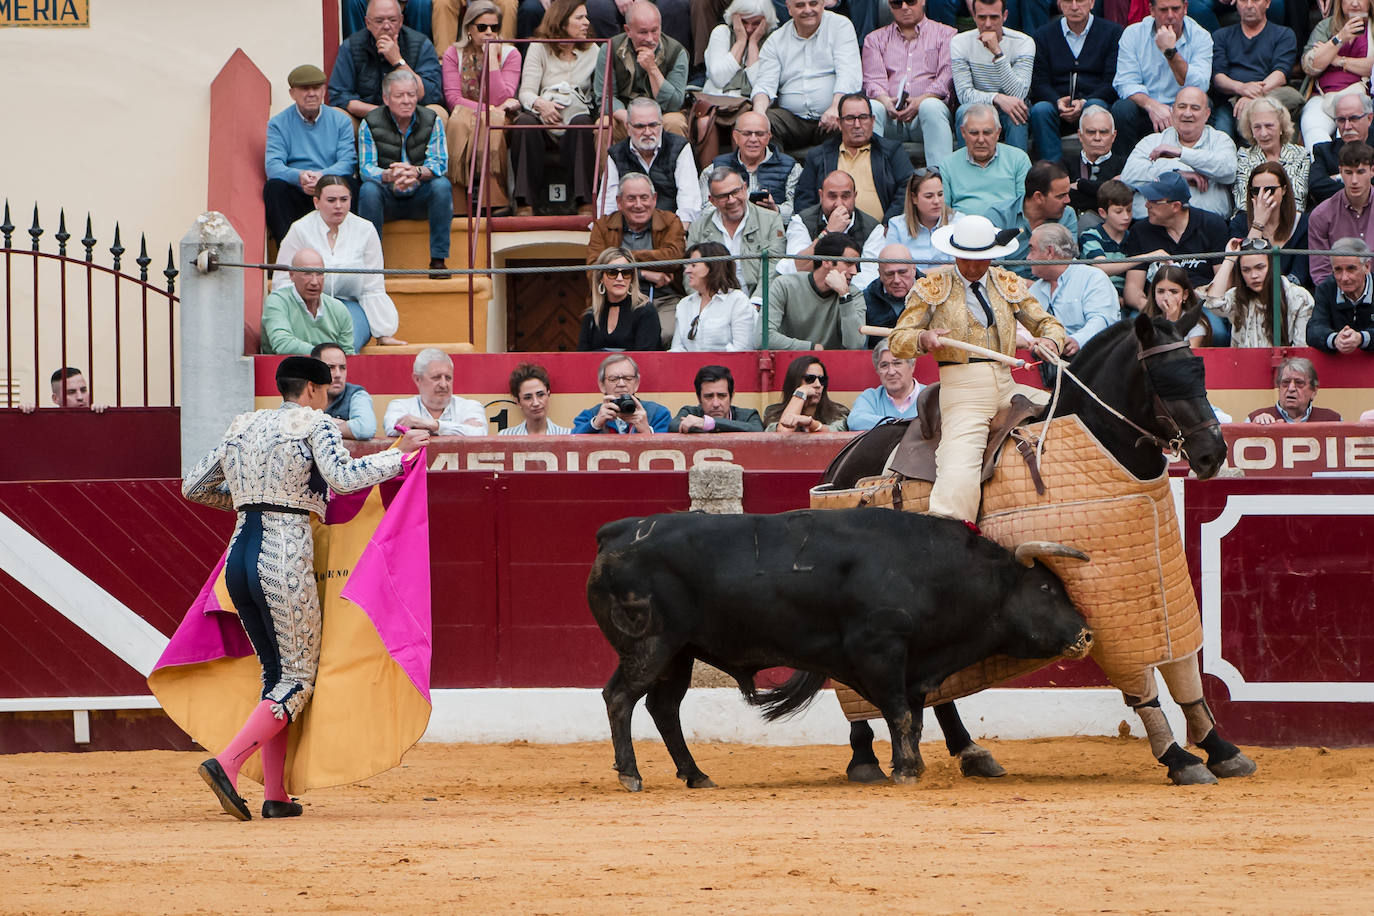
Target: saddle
{"type": "Point", "coordinates": [914, 456]}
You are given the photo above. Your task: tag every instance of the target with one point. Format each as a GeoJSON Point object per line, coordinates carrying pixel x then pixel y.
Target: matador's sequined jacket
{"type": "Point", "coordinates": [288, 456]}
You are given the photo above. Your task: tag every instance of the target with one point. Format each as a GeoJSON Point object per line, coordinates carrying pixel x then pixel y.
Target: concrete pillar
{"type": "Point", "coordinates": [716, 487]}
{"type": "Point", "coordinates": [216, 378]}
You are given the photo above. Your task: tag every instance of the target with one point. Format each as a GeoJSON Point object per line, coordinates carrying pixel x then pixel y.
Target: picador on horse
{"type": "Point", "coordinates": [1091, 473]}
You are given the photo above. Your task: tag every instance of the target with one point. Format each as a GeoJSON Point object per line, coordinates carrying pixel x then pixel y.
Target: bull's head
{"type": "Point", "coordinates": [1052, 625]}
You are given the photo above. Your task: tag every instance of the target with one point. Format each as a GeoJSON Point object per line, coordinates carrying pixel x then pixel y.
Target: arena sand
{"type": "Point", "coordinates": [1084, 825]}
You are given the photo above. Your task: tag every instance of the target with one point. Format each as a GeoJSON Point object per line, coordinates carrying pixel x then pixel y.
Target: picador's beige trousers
{"type": "Point", "coordinates": [971, 394]}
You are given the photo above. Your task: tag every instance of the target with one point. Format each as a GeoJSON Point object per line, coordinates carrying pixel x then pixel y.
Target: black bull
{"type": "Point", "coordinates": [891, 603]}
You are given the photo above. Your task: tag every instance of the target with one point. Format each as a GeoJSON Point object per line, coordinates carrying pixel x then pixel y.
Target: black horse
{"type": "Point", "coordinates": [1155, 394]}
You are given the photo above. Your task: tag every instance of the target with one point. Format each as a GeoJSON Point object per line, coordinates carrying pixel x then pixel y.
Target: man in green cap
{"type": "Point", "coordinates": [304, 142]}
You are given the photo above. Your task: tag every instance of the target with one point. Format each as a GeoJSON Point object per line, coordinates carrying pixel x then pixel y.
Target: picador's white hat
{"type": "Point", "coordinates": [975, 238]}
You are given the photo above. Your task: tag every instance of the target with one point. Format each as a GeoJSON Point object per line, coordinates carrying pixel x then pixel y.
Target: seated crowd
{"type": "Point", "coordinates": [780, 135]}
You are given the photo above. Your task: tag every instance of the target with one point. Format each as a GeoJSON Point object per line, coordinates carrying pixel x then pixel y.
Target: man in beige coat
{"type": "Point", "coordinates": [979, 304]}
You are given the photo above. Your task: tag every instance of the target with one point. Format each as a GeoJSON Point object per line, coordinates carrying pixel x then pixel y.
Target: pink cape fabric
{"type": "Point", "coordinates": [390, 583]}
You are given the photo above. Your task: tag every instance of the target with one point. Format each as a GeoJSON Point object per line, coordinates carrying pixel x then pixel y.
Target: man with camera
{"type": "Point", "coordinates": [620, 411]}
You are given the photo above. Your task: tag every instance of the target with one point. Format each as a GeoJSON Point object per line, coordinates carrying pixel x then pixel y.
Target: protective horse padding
{"type": "Point", "coordinates": [1135, 592]}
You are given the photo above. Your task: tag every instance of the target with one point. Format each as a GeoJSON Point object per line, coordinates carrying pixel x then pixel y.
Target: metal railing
{"type": "Point", "coordinates": [48, 325]}
{"type": "Point", "coordinates": [767, 262]}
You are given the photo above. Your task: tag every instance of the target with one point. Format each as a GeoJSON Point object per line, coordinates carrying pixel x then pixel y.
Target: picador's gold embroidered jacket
{"type": "Point", "coordinates": [937, 301]}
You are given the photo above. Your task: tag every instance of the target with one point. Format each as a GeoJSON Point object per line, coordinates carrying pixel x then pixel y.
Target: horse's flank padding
{"type": "Point", "coordinates": [1136, 591]}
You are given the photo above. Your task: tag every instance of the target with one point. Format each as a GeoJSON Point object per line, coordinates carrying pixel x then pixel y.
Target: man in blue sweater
{"type": "Point", "coordinates": [894, 397]}
{"type": "Point", "coordinates": [304, 143]}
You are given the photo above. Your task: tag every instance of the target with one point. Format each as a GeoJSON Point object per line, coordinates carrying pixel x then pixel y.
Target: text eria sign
{"type": "Point", "coordinates": [44, 13]}
{"type": "Point", "coordinates": [605, 459]}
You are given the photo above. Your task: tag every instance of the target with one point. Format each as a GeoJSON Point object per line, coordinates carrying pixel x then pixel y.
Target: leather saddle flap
{"type": "Point", "coordinates": [914, 456]}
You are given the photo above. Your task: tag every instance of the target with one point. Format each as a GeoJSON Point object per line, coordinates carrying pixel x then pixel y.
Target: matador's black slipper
{"type": "Point", "coordinates": [219, 783]}
{"type": "Point", "coordinates": [281, 809]}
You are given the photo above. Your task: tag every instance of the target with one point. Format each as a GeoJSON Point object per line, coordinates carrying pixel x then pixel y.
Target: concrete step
{"type": "Point", "coordinates": [405, 243]}
{"type": "Point", "coordinates": [435, 312]}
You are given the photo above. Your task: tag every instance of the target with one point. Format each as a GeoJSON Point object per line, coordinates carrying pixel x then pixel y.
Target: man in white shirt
{"type": "Point", "coordinates": [435, 408]}
{"type": "Point", "coordinates": [993, 64]}
{"type": "Point", "coordinates": [1203, 155]}
{"type": "Point", "coordinates": [666, 159]}
{"type": "Point", "coordinates": [805, 66]}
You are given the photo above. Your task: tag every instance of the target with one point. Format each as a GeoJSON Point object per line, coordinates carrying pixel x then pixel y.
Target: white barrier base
{"type": "Point", "coordinates": [569, 714]}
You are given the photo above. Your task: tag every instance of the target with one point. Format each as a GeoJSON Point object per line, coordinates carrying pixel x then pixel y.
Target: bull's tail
{"type": "Point", "coordinates": [789, 698]}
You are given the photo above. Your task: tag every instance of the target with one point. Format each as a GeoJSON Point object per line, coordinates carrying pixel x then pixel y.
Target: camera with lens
{"type": "Point", "coordinates": [625, 404]}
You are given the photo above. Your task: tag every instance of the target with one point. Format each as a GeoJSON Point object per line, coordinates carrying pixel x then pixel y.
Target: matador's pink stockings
{"type": "Point", "coordinates": [258, 732]}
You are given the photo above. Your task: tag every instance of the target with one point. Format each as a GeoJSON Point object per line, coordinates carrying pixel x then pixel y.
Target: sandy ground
{"type": "Point", "coordinates": [1081, 825]}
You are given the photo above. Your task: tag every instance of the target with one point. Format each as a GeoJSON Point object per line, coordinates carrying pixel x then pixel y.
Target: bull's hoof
{"type": "Point", "coordinates": [1239, 765]}
{"type": "Point", "coordinates": [866, 773]}
{"type": "Point", "coordinates": [700, 782]}
{"type": "Point", "coordinates": [1194, 774]}
{"type": "Point", "coordinates": [978, 761]}
{"type": "Point", "coordinates": [633, 783]}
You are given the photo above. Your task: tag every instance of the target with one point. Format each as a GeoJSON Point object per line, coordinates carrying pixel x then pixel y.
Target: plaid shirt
{"type": "Point", "coordinates": [436, 152]}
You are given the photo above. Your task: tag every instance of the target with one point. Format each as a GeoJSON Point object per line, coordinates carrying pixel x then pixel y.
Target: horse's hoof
{"type": "Point", "coordinates": [1195, 774]}
{"type": "Point", "coordinates": [701, 782]}
{"type": "Point", "coordinates": [978, 761]}
{"type": "Point", "coordinates": [633, 783]}
{"type": "Point", "coordinates": [1239, 765]}
{"type": "Point", "coordinates": [906, 779]}
{"type": "Point", "coordinates": [867, 773]}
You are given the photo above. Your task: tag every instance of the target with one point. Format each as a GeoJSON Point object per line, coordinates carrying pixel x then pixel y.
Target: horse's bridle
{"type": "Point", "coordinates": [1174, 445]}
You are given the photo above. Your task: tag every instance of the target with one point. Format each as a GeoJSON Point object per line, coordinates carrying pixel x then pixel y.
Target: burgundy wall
{"type": "Point", "coordinates": [1296, 607]}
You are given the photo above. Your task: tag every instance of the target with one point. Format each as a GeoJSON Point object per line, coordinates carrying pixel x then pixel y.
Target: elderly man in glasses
{"type": "Point", "coordinates": [383, 46]}
{"type": "Point", "coordinates": [880, 167]}
{"type": "Point", "coordinates": [1353, 111]}
{"type": "Point", "coordinates": [1295, 382]}
{"type": "Point", "coordinates": [770, 174]}
{"type": "Point", "coordinates": [666, 158]}
{"type": "Point", "coordinates": [907, 74]}
{"type": "Point", "coordinates": [895, 395]}
{"type": "Point", "coordinates": [620, 411]}
{"type": "Point", "coordinates": [743, 227]}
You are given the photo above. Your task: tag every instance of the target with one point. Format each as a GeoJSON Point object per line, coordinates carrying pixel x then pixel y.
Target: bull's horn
{"type": "Point", "coordinates": [1026, 553]}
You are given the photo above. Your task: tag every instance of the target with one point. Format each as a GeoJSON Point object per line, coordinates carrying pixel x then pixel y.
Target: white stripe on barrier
{"type": "Point", "coordinates": [73, 595]}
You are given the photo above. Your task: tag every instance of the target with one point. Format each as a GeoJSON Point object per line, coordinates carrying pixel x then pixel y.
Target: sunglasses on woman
{"type": "Point", "coordinates": [618, 272]}
{"type": "Point", "coordinates": [1255, 245]}
{"type": "Point", "coordinates": [812, 378]}
{"type": "Point", "coordinates": [692, 331]}
{"type": "Point", "coordinates": [487, 26]}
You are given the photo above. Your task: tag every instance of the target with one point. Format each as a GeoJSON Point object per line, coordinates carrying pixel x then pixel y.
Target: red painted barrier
{"type": "Point", "coordinates": [1282, 572]}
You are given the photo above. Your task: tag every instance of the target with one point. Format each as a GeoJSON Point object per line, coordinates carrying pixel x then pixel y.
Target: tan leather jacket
{"type": "Point", "coordinates": [937, 301]}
